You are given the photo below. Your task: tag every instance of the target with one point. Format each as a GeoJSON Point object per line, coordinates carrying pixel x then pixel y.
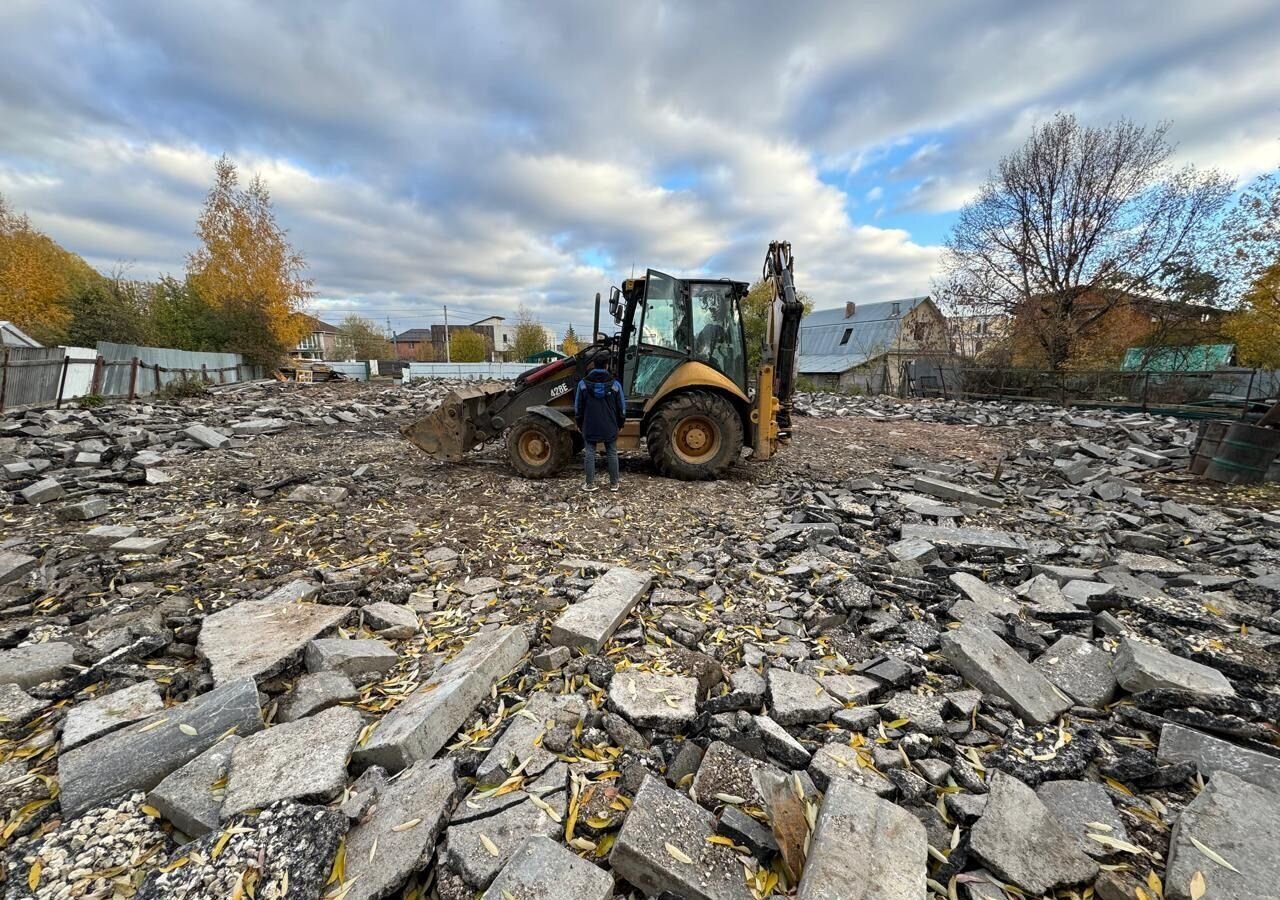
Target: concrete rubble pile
{"type": "Point", "coordinates": [912, 678]}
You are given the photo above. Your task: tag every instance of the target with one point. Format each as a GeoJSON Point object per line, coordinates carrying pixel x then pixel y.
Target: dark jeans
{"type": "Point", "coordinates": [611, 455]}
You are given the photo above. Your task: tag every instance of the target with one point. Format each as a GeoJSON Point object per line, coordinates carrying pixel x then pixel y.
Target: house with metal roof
{"type": "Point", "coordinates": [867, 346]}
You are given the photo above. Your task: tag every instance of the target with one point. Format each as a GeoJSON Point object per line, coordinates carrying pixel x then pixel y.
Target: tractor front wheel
{"type": "Point", "coordinates": [695, 436]}
{"type": "Point", "coordinates": [538, 447]}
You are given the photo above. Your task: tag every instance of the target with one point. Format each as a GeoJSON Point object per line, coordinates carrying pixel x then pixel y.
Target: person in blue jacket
{"type": "Point", "coordinates": [600, 409]}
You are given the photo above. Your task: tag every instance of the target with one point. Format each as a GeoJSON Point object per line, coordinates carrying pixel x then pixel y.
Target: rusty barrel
{"type": "Point", "coordinates": [1207, 445]}
{"type": "Point", "coordinates": [1244, 455]}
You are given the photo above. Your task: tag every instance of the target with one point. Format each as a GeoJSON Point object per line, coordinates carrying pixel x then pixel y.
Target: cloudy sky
{"type": "Point", "coordinates": [485, 154]}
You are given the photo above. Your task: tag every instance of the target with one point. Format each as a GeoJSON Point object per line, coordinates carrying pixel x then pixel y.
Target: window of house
{"type": "Point", "coordinates": [309, 342]}
{"type": "Point", "coordinates": [896, 309]}
{"type": "Point", "coordinates": [919, 331]}
{"type": "Point", "coordinates": [848, 333]}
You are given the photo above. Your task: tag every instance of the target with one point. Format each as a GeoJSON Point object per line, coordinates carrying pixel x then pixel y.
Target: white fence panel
{"type": "Point", "coordinates": [468, 371]}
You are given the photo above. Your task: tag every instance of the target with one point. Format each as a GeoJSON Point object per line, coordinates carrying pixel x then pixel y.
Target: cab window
{"type": "Point", "coordinates": [717, 329]}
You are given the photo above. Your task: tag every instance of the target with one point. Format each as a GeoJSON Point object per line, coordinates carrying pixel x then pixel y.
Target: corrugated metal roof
{"type": "Point", "coordinates": [830, 341]}
{"type": "Point", "coordinates": [1199, 358]}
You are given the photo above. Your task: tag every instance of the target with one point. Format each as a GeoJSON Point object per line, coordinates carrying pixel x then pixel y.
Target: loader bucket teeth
{"type": "Point", "coordinates": [451, 431]}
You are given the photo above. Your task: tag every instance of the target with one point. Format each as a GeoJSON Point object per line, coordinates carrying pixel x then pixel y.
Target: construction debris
{"type": "Point", "coordinates": [942, 648]}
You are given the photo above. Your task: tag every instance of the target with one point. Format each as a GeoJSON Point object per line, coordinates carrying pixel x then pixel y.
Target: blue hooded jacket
{"type": "Point", "coordinates": [599, 407]}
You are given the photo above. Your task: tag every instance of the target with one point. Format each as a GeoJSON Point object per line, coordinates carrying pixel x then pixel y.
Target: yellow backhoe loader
{"type": "Point", "coordinates": [680, 352]}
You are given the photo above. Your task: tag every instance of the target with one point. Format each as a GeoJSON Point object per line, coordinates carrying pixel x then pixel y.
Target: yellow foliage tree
{"type": "Point", "coordinates": [1255, 327]}
{"type": "Point", "coordinates": [37, 278]}
{"type": "Point", "coordinates": [246, 268]}
{"type": "Point", "coordinates": [466, 346]}
{"type": "Point", "coordinates": [570, 345]}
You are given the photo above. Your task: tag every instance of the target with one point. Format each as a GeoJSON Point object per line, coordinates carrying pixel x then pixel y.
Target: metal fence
{"type": "Point", "coordinates": [468, 371]}
{"type": "Point", "coordinates": [49, 376]}
{"type": "Point", "coordinates": [1232, 386]}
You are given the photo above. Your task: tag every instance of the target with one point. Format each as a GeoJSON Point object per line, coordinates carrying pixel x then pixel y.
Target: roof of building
{"type": "Point", "coordinates": [415, 334]}
{"type": "Point", "coordinates": [831, 341]}
{"type": "Point", "coordinates": [318, 325]}
{"type": "Point", "coordinates": [487, 319]}
{"type": "Point", "coordinates": [1198, 358]}
{"type": "Point", "coordinates": [13, 336]}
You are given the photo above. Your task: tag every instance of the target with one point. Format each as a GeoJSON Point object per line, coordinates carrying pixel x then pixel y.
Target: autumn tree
{"type": "Point", "coordinates": [37, 278]}
{"type": "Point", "coordinates": [1250, 267]}
{"type": "Point", "coordinates": [755, 319]}
{"type": "Point", "coordinates": [114, 309]}
{"type": "Point", "coordinates": [425, 351]}
{"type": "Point", "coordinates": [530, 337]}
{"type": "Point", "coordinates": [1075, 222]}
{"type": "Point", "coordinates": [359, 338]}
{"type": "Point", "coordinates": [466, 346]}
{"type": "Point", "coordinates": [246, 269]}
{"type": "Point", "coordinates": [570, 344]}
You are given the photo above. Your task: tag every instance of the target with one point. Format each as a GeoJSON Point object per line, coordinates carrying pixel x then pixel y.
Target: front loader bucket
{"type": "Point", "coordinates": [459, 424]}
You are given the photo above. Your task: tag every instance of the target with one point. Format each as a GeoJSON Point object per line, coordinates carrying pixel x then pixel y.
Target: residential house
{"type": "Point", "coordinates": [321, 342]}
{"type": "Point", "coordinates": [971, 335]}
{"type": "Point", "coordinates": [429, 344]}
{"type": "Point", "coordinates": [867, 346]}
{"type": "Point", "coordinates": [13, 336]}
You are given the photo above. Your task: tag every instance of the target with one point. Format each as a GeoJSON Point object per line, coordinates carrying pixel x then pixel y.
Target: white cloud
{"type": "Point", "coordinates": [487, 155]}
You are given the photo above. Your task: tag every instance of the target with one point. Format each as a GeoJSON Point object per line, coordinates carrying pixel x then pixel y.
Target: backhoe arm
{"type": "Point", "coordinates": [776, 380]}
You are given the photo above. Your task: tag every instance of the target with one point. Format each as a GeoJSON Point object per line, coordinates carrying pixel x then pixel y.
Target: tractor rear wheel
{"type": "Point", "coordinates": [695, 436]}
{"type": "Point", "coordinates": [538, 447]}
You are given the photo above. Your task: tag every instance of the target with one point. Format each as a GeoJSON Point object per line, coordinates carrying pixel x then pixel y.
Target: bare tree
{"type": "Point", "coordinates": [1076, 221]}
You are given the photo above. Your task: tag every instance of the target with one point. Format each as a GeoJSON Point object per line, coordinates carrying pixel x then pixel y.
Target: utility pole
{"type": "Point", "coordinates": [448, 353]}
{"type": "Point", "coordinates": [395, 344]}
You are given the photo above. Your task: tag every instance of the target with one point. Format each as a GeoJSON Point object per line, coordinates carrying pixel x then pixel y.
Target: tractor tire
{"type": "Point", "coordinates": [538, 447]}
{"type": "Point", "coordinates": [695, 436]}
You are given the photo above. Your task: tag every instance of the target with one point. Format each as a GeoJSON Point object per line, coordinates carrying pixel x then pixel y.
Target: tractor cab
{"type": "Point", "coordinates": [668, 321]}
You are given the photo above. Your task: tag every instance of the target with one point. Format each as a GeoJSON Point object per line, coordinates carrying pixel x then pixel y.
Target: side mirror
{"type": "Point", "coordinates": [615, 303]}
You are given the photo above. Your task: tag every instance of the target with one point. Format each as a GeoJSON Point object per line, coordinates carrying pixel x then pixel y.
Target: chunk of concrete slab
{"type": "Point", "coordinates": [992, 599]}
{"type": "Point", "coordinates": [391, 620]}
{"type": "Point", "coordinates": [191, 797]}
{"type": "Point", "coordinates": [649, 700]}
{"type": "Point", "coordinates": [17, 707]}
{"type": "Point", "coordinates": [353, 657]}
{"type": "Point", "coordinates": [936, 487]}
{"type": "Point", "coordinates": [797, 699]}
{"type": "Point", "coordinates": [96, 717]}
{"type": "Point", "coordinates": [35, 663]}
{"type": "Point", "coordinates": [1141, 667]}
{"type": "Point", "coordinates": [314, 692]}
{"type": "Point", "coordinates": [520, 746]}
{"type": "Point", "coordinates": [304, 760]}
{"type": "Point", "coordinates": [991, 665]}
{"type": "Point", "coordinates": [139, 756]}
{"type": "Point", "coordinates": [1212, 755]}
{"type": "Point", "coordinates": [259, 638]}
{"type": "Point", "coordinates": [1022, 842]}
{"type": "Point", "coordinates": [969, 538]}
{"type": "Point", "coordinates": [1082, 669]}
{"type": "Point", "coordinates": [398, 836]}
{"type": "Point", "coordinates": [15, 566]}
{"type": "Point", "coordinates": [45, 490]}
{"type": "Point", "coordinates": [589, 623]}
{"type": "Point", "coordinates": [141, 546]}
{"type": "Point", "coordinates": [542, 868]}
{"type": "Point", "coordinates": [424, 722]}
{"type": "Point", "coordinates": [865, 847]}
{"type": "Point", "coordinates": [1240, 822]}
{"type": "Point", "coordinates": [1079, 804]}
{"type": "Point", "coordinates": [321, 494]}
{"type": "Point", "coordinates": [486, 831]}
{"type": "Point", "coordinates": [834, 763]}
{"type": "Point", "coordinates": [661, 818]}
{"type": "Point", "coordinates": [206, 437]}
{"type": "Point", "coordinates": [104, 536]}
